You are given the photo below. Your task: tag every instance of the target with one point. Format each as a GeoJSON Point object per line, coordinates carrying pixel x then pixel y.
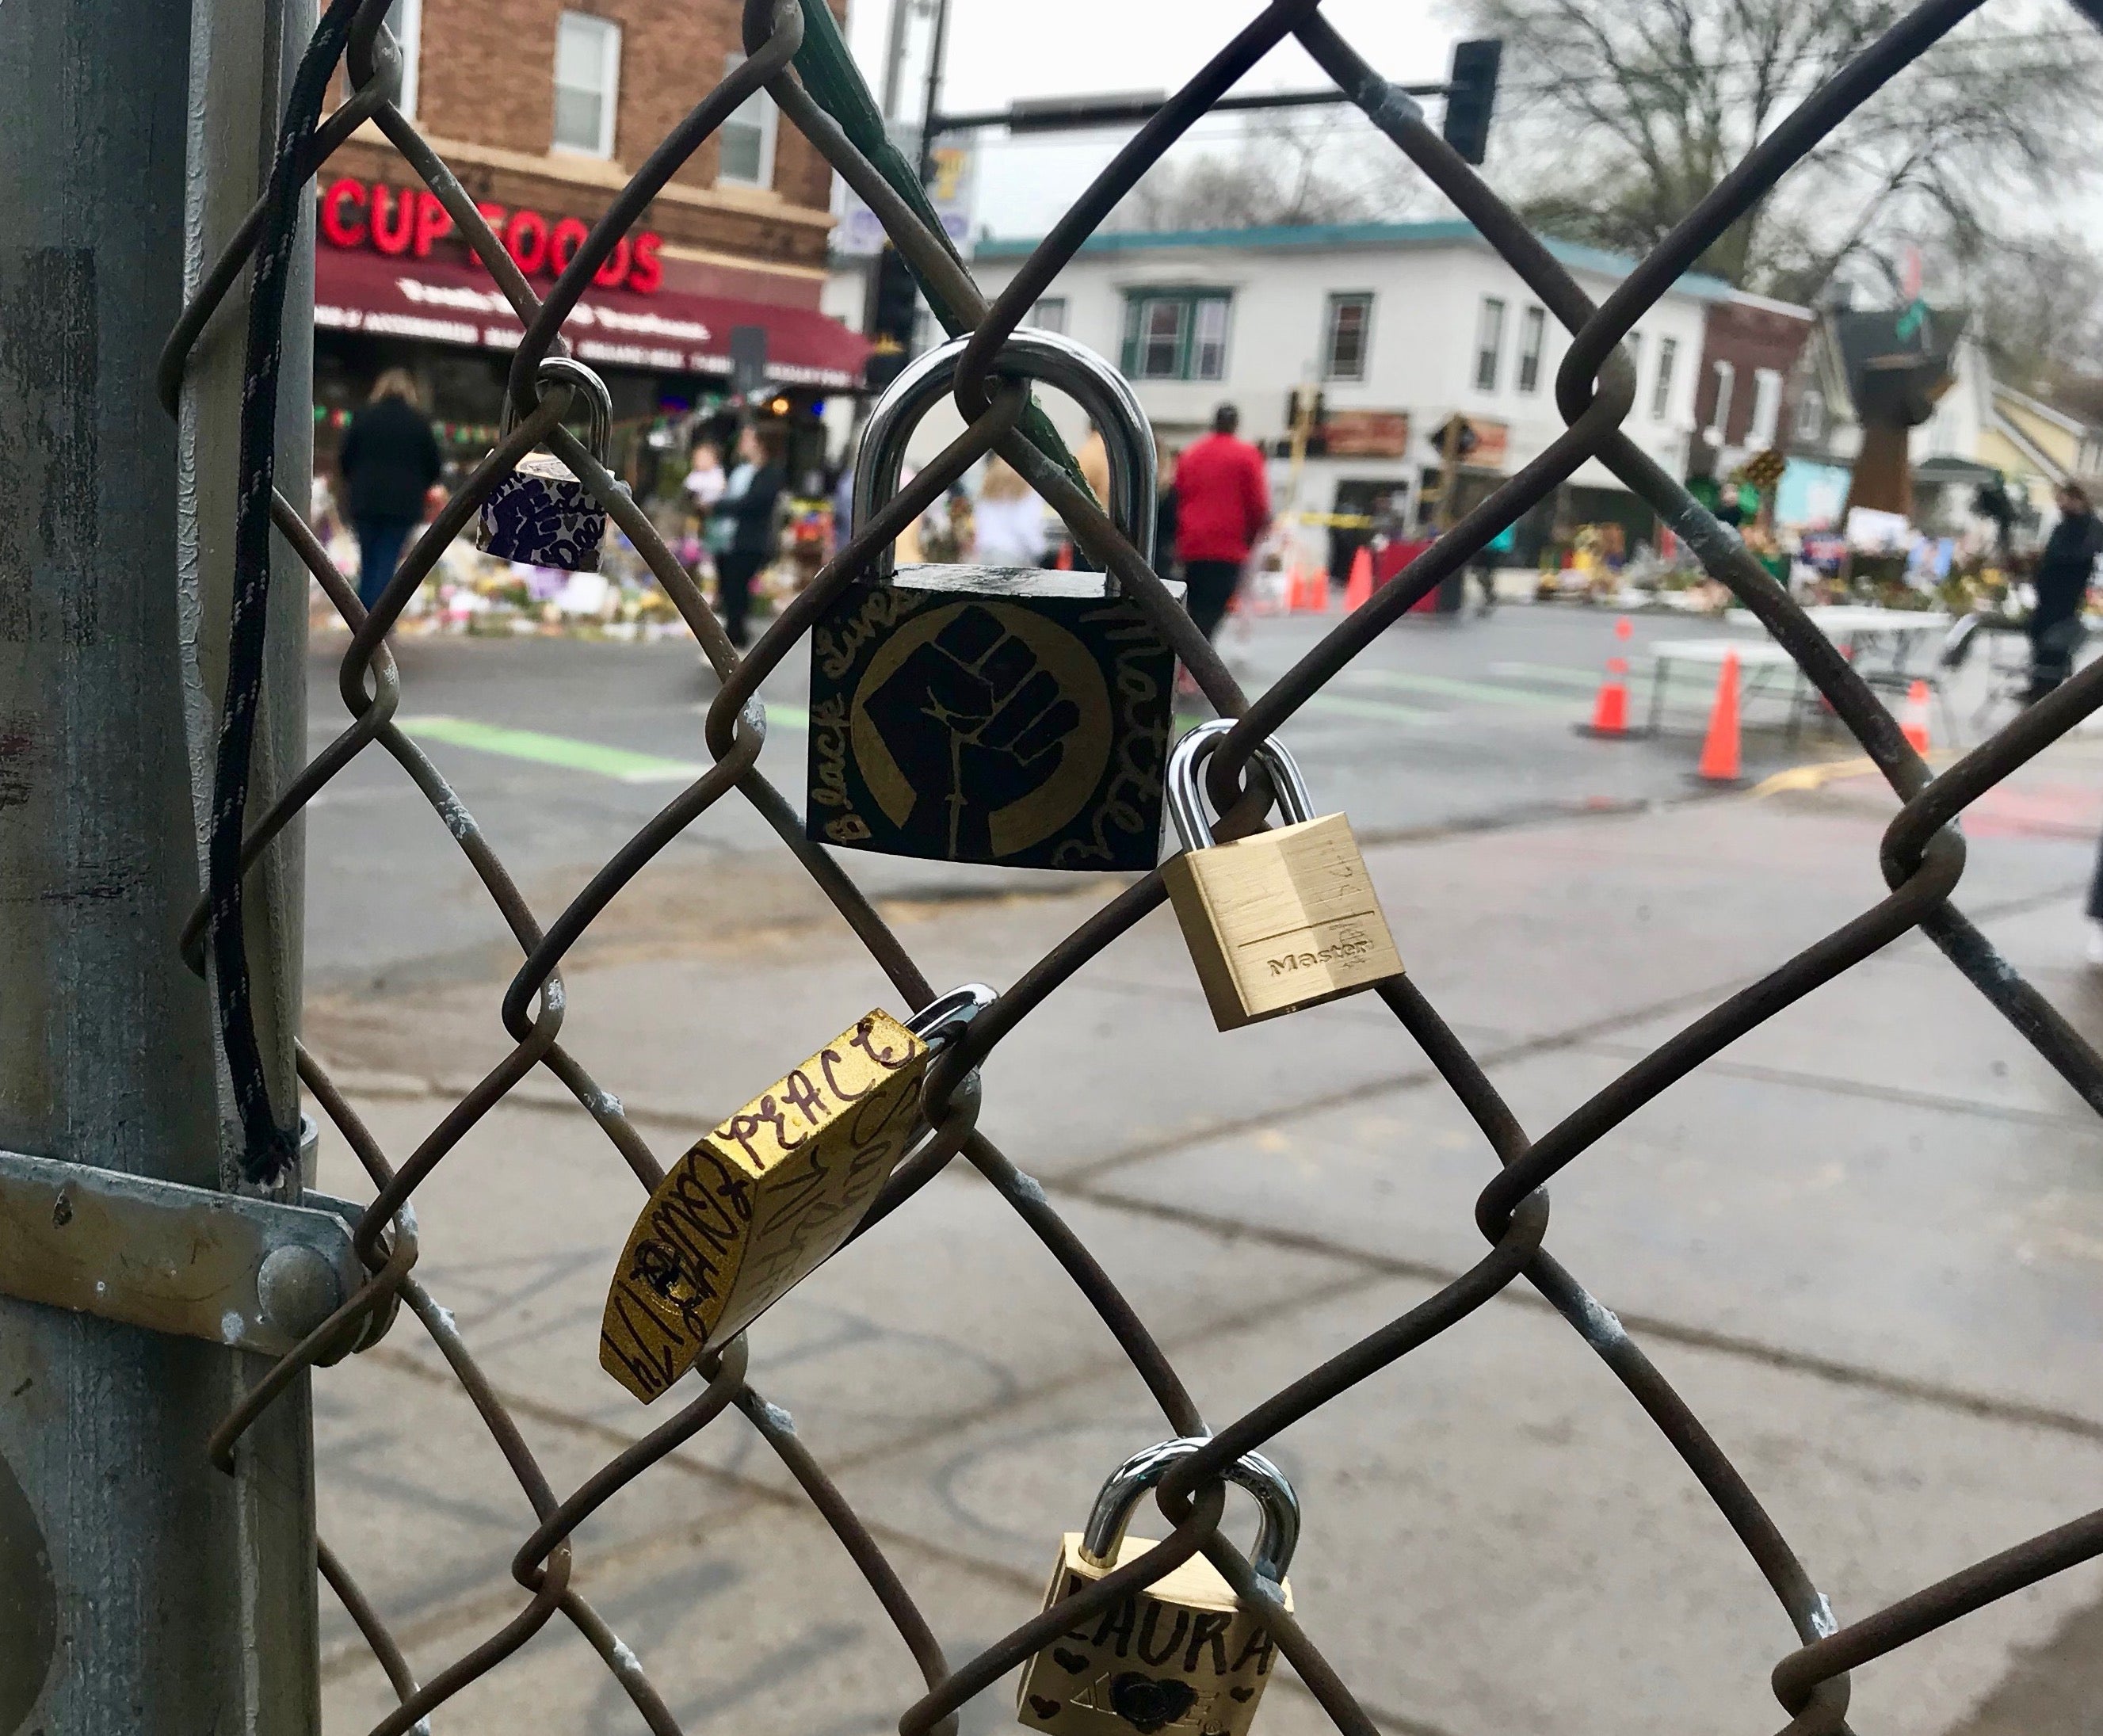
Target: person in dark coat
{"type": "Point", "coordinates": [389, 461]}
{"type": "Point", "coordinates": [741, 534]}
{"type": "Point", "coordinates": [2062, 582]}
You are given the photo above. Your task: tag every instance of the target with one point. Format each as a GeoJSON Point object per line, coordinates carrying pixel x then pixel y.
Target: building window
{"type": "Point", "coordinates": [1767, 408]}
{"type": "Point", "coordinates": [1175, 334]}
{"type": "Point", "coordinates": [1810, 415]}
{"type": "Point", "coordinates": [587, 83]}
{"type": "Point", "coordinates": [1661, 394]}
{"type": "Point", "coordinates": [1532, 339]}
{"type": "Point", "coordinates": [1049, 314]}
{"type": "Point", "coordinates": [1489, 343]}
{"type": "Point", "coordinates": [405, 18]}
{"type": "Point", "coordinates": [1719, 412]}
{"type": "Point", "coordinates": [1346, 334]}
{"type": "Point", "coordinates": [746, 141]}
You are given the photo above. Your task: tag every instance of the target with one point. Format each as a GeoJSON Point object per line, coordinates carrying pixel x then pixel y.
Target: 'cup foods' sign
{"type": "Point", "coordinates": [399, 220]}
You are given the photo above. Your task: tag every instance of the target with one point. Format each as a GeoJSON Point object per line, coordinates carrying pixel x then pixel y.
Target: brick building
{"type": "Point", "coordinates": [1749, 348]}
{"type": "Point", "coordinates": [544, 109]}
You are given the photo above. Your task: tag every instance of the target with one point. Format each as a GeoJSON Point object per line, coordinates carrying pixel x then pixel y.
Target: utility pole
{"type": "Point", "coordinates": [140, 1588]}
{"type": "Point", "coordinates": [930, 110]}
{"type": "Point", "coordinates": [894, 55]}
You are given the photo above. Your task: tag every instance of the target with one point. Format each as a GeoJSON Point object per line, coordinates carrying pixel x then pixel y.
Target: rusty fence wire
{"type": "Point", "coordinates": [1922, 856]}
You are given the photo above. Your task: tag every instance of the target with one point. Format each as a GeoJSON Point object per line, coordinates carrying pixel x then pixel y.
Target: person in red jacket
{"type": "Point", "coordinates": [1222, 507]}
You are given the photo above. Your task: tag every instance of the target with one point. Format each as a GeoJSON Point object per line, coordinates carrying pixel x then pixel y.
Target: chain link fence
{"type": "Point", "coordinates": [794, 53]}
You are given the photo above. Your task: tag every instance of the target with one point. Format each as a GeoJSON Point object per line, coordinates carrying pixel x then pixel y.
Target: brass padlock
{"type": "Point", "coordinates": [1278, 919]}
{"type": "Point", "coordinates": [760, 1202]}
{"type": "Point", "coordinates": [1004, 715]}
{"type": "Point", "coordinates": [540, 513]}
{"type": "Point", "coordinates": [1182, 1654]}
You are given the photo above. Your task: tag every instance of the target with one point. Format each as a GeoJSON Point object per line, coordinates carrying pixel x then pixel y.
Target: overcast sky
{"type": "Point", "coordinates": [1094, 47]}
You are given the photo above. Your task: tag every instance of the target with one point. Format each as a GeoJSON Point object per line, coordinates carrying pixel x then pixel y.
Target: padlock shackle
{"type": "Point", "coordinates": [1186, 801]}
{"type": "Point", "coordinates": [1276, 1536]}
{"type": "Point", "coordinates": [566, 371]}
{"type": "Point", "coordinates": [943, 1019]}
{"type": "Point", "coordinates": [1037, 355]}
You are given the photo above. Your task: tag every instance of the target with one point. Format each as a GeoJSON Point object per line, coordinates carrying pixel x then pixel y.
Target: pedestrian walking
{"type": "Point", "coordinates": [1222, 507]}
{"type": "Point", "coordinates": [1164, 514]}
{"type": "Point", "coordinates": [388, 460]}
{"type": "Point", "coordinates": [741, 527]}
{"type": "Point", "coordinates": [1093, 462]}
{"type": "Point", "coordinates": [1493, 554]}
{"type": "Point", "coordinates": [2062, 584]}
{"type": "Point", "coordinates": [1009, 523]}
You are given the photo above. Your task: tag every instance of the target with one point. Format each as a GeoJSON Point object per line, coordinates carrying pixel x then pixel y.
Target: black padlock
{"type": "Point", "coordinates": [996, 714]}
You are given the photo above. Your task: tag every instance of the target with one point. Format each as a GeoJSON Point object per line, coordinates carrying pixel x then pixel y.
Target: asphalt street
{"type": "Point", "coordinates": [560, 749]}
{"type": "Point", "coordinates": [1865, 1243]}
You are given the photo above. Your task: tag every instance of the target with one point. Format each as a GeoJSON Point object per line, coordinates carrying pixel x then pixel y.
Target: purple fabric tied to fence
{"type": "Point", "coordinates": [542, 515]}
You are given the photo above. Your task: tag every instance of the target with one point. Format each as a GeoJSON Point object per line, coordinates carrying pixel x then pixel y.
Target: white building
{"type": "Point", "coordinates": [1398, 324]}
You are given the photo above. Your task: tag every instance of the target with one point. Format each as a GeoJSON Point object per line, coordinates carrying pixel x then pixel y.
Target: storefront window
{"type": "Point", "coordinates": [746, 141]}
{"type": "Point", "coordinates": [1177, 335]}
{"type": "Point", "coordinates": [1661, 397]}
{"type": "Point", "coordinates": [587, 83]}
{"type": "Point", "coordinates": [1533, 338]}
{"type": "Point", "coordinates": [406, 19]}
{"type": "Point", "coordinates": [1346, 337]}
{"type": "Point", "coordinates": [1489, 343]}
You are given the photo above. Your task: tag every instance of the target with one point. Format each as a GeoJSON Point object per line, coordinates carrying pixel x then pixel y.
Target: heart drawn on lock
{"type": "Point", "coordinates": [1072, 1662]}
{"type": "Point", "coordinates": [1042, 1708]}
{"type": "Point", "coordinates": [1147, 1703]}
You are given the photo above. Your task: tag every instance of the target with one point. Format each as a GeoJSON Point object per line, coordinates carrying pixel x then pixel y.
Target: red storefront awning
{"type": "Point", "coordinates": [668, 331]}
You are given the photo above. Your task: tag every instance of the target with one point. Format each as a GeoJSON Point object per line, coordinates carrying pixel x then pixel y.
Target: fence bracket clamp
{"type": "Point", "coordinates": [254, 1274]}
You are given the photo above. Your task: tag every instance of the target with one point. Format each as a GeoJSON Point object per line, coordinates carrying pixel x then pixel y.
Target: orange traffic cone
{"type": "Point", "coordinates": [1719, 753]}
{"type": "Point", "coordinates": [1296, 589]}
{"type": "Point", "coordinates": [1610, 710]}
{"type": "Point", "coordinates": [1065, 563]}
{"type": "Point", "coordinates": [1359, 589]}
{"type": "Point", "coordinates": [1318, 591]}
{"type": "Point", "coordinates": [1912, 725]}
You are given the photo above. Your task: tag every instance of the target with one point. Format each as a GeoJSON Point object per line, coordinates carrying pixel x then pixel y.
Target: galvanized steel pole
{"type": "Point", "coordinates": [140, 1589]}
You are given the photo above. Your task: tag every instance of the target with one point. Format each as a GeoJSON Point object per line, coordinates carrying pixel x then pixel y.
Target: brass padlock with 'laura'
{"type": "Point", "coordinates": [1180, 1655]}
{"type": "Point", "coordinates": [1278, 919]}
{"type": "Point", "coordinates": [761, 1202]}
{"type": "Point", "coordinates": [995, 714]}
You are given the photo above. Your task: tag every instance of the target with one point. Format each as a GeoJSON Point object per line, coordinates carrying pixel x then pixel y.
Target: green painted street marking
{"type": "Point", "coordinates": [552, 750]}
{"type": "Point", "coordinates": [1342, 707]}
{"type": "Point", "coordinates": [1556, 675]}
{"type": "Point", "coordinates": [1452, 687]}
{"type": "Point", "coordinates": [780, 715]}
{"type": "Point", "coordinates": [1587, 680]}
{"type": "Point", "coordinates": [1337, 705]}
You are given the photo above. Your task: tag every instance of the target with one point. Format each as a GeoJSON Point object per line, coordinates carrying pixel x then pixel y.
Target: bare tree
{"type": "Point", "coordinates": [1616, 120]}
{"type": "Point", "coordinates": [2036, 302]}
{"type": "Point", "coordinates": [1284, 170]}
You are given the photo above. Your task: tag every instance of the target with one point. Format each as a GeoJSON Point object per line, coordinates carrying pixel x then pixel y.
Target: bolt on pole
{"type": "Point", "coordinates": [140, 1589]}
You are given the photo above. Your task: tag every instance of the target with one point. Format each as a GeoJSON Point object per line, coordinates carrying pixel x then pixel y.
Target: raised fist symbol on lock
{"type": "Point", "coordinates": [995, 714]}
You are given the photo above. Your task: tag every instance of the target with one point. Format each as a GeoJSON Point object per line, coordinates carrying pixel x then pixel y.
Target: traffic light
{"type": "Point", "coordinates": [894, 308]}
{"type": "Point", "coordinates": [1471, 93]}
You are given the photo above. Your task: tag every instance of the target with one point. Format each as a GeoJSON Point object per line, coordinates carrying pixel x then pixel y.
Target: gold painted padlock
{"type": "Point", "coordinates": [760, 1202]}
{"type": "Point", "coordinates": [1278, 919]}
{"type": "Point", "coordinates": [1181, 1654]}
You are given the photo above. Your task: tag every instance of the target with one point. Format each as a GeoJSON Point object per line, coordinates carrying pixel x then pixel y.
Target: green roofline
{"type": "Point", "coordinates": [1431, 232]}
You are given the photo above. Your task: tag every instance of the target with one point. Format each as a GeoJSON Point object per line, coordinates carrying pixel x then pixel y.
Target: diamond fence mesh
{"type": "Point", "coordinates": [795, 55]}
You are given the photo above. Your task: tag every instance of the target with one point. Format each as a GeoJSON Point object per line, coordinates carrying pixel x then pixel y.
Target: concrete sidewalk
{"type": "Point", "coordinates": [1867, 1244]}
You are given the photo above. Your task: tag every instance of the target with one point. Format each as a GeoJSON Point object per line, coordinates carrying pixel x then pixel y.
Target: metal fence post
{"type": "Point", "coordinates": [140, 1588]}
